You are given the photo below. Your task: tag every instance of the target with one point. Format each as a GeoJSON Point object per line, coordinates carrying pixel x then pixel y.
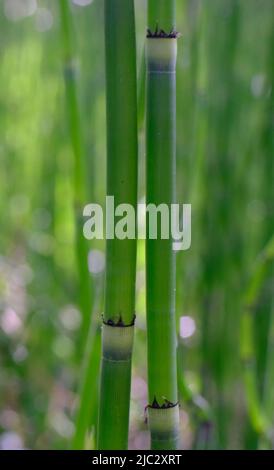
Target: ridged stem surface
{"type": "Point", "coordinates": [121, 87]}
{"type": "Point", "coordinates": [160, 258]}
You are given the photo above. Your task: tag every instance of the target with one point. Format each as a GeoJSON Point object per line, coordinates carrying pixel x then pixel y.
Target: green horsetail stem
{"type": "Point", "coordinates": [122, 150]}
{"type": "Point", "coordinates": [161, 49]}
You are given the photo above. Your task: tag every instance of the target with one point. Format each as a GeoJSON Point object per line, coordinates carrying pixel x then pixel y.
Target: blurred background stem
{"type": "Point", "coordinates": [79, 171]}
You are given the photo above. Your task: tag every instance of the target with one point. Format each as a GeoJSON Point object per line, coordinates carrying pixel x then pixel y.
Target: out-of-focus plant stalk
{"type": "Point", "coordinates": [79, 183]}
{"type": "Point", "coordinates": [89, 346]}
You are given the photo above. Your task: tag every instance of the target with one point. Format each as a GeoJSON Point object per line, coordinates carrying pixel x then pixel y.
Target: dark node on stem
{"type": "Point", "coordinates": [118, 324]}
{"type": "Point", "coordinates": [156, 406]}
{"type": "Point", "coordinates": [165, 405]}
{"type": "Point", "coordinates": [160, 33]}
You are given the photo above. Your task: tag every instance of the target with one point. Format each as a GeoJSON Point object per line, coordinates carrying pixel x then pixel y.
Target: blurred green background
{"type": "Point", "coordinates": [225, 169]}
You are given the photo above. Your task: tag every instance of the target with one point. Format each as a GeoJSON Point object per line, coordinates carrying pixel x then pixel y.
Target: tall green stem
{"type": "Point", "coordinates": [163, 410]}
{"type": "Point", "coordinates": [118, 330]}
{"type": "Point", "coordinates": [88, 390]}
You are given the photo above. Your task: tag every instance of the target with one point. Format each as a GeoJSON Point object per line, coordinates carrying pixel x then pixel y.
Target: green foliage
{"type": "Point", "coordinates": [224, 283]}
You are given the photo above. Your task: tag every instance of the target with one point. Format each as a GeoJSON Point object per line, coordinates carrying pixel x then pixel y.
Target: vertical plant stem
{"type": "Point", "coordinates": [118, 326]}
{"type": "Point", "coordinates": [258, 416]}
{"type": "Point", "coordinates": [163, 409]}
{"type": "Point", "coordinates": [79, 184]}
{"type": "Point", "coordinates": [268, 151]}
{"type": "Point", "coordinates": [220, 313]}
{"type": "Point", "coordinates": [88, 382]}
{"type": "Point", "coordinates": [88, 390]}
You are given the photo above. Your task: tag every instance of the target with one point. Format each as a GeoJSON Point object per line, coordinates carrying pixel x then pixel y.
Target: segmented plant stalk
{"type": "Point", "coordinates": [118, 317]}
{"type": "Point", "coordinates": [163, 409]}
{"type": "Point", "coordinates": [79, 184]}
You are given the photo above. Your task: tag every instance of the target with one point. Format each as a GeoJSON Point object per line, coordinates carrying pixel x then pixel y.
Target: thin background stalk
{"type": "Point", "coordinates": [79, 183]}
{"type": "Point", "coordinates": [89, 339]}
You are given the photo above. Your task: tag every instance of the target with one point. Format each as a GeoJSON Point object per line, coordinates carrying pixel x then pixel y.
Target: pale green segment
{"type": "Point", "coordinates": [117, 342]}
{"type": "Point", "coordinates": [164, 426]}
{"type": "Point", "coordinates": [161, 13]}
{"type": "Point", "coordinates": [161, 54]}
{"type": "Point", "coordinates": [163, 420]}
